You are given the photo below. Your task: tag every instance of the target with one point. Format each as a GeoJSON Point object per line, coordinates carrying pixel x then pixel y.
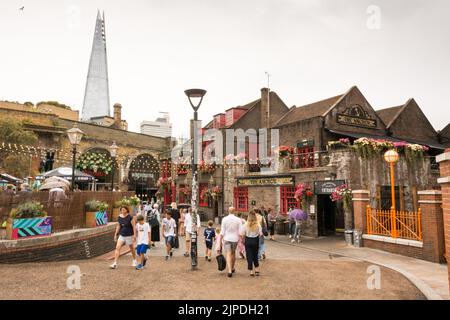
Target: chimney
{"type": "Point", "coordinates": [118, 116]}
{"type": "Point", "coordinates": [265, 106]}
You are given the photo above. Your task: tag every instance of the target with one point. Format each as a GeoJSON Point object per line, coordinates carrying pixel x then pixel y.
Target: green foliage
{"type": "Point", "coordinates": [96, 162]}
{"type": "Point", "coordinates": [125, 202]}
{"type": "Point", "coordinates": [95, 205]}
{"type": "Point", "coordinates": [54, 103]}
{"type": "Point", "coordinates": [134, 201]}
{"type": "Point", "coordinates": [30, 209]}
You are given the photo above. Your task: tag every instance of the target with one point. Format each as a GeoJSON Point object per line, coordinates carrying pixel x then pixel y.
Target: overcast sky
{"type": "Point", "coordinates": [314, 49]}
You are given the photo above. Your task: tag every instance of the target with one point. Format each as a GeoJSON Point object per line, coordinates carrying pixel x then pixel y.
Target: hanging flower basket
{"type": "Point", "coordinates": [96, 164]}
{"type": "Point", "coordinates": [207, 167]}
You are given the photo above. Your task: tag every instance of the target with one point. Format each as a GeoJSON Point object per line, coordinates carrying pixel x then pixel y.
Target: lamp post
{"type": "Point", "coordinates": [198, 95]}
{"type": "Point", "coordinates": [113, 151]}
{"type": "Point", "coordinates": [75, 135]}
{"type": "Point", "coordinates": [391, 157]}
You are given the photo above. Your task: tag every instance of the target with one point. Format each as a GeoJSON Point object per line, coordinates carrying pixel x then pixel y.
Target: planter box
{"type": "Point", "coordinates": [280, 227]}
{"type": "Point", "coordinates": [96, 219]}
{"type": "Point", "coordinates": [27, 228]}
{"type": "Point", "coordinates": [115, 214]}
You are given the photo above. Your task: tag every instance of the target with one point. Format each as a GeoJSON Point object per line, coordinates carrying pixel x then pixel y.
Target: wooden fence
{"type": "Point", "coordinates": [67, 214]}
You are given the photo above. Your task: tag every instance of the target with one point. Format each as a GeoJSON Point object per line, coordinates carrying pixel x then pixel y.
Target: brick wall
{"type": "Point", "coordinates": [444, 162]}
{"type": "Point", "coordinates": [81, 247]}
{"type": "Point", "coordinates": [409, 251]}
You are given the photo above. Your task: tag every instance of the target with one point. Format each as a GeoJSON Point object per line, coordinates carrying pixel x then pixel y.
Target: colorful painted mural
{"type": "Point", "coordinates": [101, 219]}
{"type": "Point", "coordinates": [33, 227]}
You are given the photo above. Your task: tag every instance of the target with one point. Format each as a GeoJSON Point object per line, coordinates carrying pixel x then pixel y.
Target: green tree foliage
{"type": "Point", "coordinates": [12, 131]}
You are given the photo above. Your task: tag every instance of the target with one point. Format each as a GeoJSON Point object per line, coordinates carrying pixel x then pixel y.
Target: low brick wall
{"type": "Point", "coordinates": [68, 245]}
{"type": "Point", "coordinates": [409, 251]}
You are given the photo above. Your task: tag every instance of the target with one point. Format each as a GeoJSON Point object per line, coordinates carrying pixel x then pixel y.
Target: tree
{"type": "Point", "coordinates": [12, 131]}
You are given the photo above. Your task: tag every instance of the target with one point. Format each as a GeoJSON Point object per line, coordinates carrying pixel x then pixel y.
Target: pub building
{"type": "Point", "coordinates": [318, 162]}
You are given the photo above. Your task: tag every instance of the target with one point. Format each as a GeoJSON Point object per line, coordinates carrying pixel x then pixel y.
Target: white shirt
{"type": "Point", "coordinates": [169, 227]}
{"type": "Point", "coordinates": [188, 222]}
{"type": "Point", "coordinates": [231, 228]}
{"type": "Point", "coordinates": [142, 232]}
{"type": "Point", "coordinates": [251, 234]}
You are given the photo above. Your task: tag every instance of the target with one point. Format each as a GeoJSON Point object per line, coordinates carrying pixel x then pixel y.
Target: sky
{"type": "Point", "coordinates": [313, 49]}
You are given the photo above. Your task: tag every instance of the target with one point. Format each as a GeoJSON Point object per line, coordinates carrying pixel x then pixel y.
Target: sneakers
{"type": "Point", "coordinates": [186, 254]}
{"type": "Point", "coordinates": [206, 257]}
{"type": "Point", "coordinates": [134, 264]}
{"type": "Point", "coordinates": [290, 236]}
{"type": "Point", "coordinates": [113, 266]}
{"type": "Point", "coordinates": [293, 240]}
{"type": "Point", "coordinates": [171, 254]}
{"type": "Point", "coordinates": [139, 267]}
{"type": "Point", "coordinates": [209, 259]}
{"type": "Point", "coordinates": [167, 258]}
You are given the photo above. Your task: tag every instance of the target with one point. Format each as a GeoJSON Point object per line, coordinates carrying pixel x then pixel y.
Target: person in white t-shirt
{"type": "Point", "coordinates": [169, 229]}
{"type": "Point", "coordinates": [189, 230]}
{"type": "Point", "coordinates": [143, 240]}
{"type": "Point", "coordinates": [230, 231]}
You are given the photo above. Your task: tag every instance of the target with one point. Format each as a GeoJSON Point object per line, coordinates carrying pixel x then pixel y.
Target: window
{"type": "Point", "coordinates": [241, 198]}
{"type": "Point", "coordinates": [287, 199]}
{"type": "Point", "coordinates": [202, 188]}
{"type": "Point", "coordinates": [303, 158]}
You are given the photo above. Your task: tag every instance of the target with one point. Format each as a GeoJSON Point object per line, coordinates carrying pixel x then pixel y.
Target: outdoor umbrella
{"type": "Point", "coordinates": [298, 214]}
{"type": "Point", "coordinates": [66, 172]}
{"type": "Point", "coordinates": [54, 184]}
{"type": "Point", "coordinates": [57, 179]}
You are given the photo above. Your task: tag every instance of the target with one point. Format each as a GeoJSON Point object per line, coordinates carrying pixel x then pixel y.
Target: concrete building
{"type": "Point", "coordinates": [161, 127]}
{"type": "Point", "coordinates": [96, 97]}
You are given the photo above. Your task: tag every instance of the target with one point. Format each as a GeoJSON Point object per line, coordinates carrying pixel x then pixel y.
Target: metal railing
{"type": "Point", "coordinates": [394, 224]}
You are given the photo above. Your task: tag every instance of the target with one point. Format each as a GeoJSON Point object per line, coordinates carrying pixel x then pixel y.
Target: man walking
{"type": "Point", "coordinates": [230, 232]}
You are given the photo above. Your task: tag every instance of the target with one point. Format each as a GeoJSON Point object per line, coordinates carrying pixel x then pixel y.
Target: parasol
{"type": "Point", "coordinates": [298, 214]}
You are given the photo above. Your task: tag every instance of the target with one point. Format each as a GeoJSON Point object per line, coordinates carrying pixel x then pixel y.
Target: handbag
{"type": "Point", "coordinates": [221, 262]}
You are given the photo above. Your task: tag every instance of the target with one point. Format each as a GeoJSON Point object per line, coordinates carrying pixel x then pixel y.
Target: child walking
{"type": "Point", "coordinates": [169, 229]}
{"type": "Point", "coordinates": [143, 240]}
{"type": "Point", "coordinates": [209, 234]}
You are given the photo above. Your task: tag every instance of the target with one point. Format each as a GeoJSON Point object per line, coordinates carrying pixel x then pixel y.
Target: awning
{"type": "Point", "coordinates": [388, 138]}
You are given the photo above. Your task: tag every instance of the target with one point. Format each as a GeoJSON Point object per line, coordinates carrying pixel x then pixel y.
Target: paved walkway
{"type": "Point", "coordinates": [430, 278]}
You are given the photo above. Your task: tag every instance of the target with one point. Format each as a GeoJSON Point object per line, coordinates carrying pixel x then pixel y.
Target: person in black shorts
{"type": "Point", "coordinates": [210, 235]}
{"type": "Point", "coordinates": [125, 235]}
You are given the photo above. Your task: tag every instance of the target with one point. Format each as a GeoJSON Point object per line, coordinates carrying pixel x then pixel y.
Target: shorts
{"type": "Point", "coordinates": [126, 240]}
{"type": "Point", "coordinates": [188, 236]}
{"type": "Point", "coordinates": [170, 240]}
{"type": "Point", "coordinates": [208, 244]}
{"type": "Point", "coordinates": [141, 249]}
{"type": "Point", "coordinates": [228, 245]}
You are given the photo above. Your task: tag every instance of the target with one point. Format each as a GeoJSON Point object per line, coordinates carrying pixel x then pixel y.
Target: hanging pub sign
{"type": "Point", "coordinates": [356, 116]}
{"type": "Point", "coordinates": [327, 187]}
{"type": "Point", "coordinates": [266, 181]}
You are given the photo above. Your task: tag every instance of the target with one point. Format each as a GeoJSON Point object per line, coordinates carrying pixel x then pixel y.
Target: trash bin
{"type": "Point", "coordinates": [349, 237]}
{"type": "Point", "coordinates": [357, 238]}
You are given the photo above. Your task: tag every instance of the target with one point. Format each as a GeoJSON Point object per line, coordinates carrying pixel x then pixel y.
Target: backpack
{"type": "Point", "coordinates": [152, 219]}
{"type": "Point", "coordinates": [264, 230]}
{"type": "Point", "coordinates": [221, 262]}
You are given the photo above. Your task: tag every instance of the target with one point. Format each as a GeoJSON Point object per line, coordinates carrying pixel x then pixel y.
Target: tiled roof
{"type": "Point", "coordinates": [388, 115]}
{"type": "Point", "coordinates": [308, 111]}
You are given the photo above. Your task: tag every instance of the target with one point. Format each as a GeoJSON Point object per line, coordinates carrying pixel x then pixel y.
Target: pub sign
{"type": "Point", "coordinates": [327, 187]}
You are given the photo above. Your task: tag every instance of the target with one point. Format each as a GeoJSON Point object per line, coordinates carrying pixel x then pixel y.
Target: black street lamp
{"type": "Point", "coordinates": [196, 95]}
{"type": "Point", "coordinates": [113, 151]}
{"type": "Point", "coordinates": [75, 135]}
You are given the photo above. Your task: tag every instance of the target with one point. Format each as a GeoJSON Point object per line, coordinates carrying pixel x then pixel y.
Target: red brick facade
{"type": "Point", "coordinates": [444, 163]}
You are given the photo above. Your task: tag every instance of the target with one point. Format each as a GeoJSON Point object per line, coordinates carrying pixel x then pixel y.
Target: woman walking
{"type": "Point", "coordinates": [272, 219]}
{"type": "Point", "coordinates": [154, 220]}
{"type": "Point", "coordinates": [125, 235]}
{"type": "Point", "coordinates": [262, 223]}
{"type": "Point", "coordinates": [252, 231]}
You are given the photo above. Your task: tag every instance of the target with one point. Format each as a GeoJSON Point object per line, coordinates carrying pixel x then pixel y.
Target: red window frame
{"type": "Point", "coordinates": [287, 199]}
{"type": "Point", "coordinates": [304, 157]}
{"type": "Point", "coordinates": [202, 202]}
{"type": "Point", "coordinates": [241, 198]}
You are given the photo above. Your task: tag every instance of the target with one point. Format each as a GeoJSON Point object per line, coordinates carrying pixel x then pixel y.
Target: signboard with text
{"type": "Point", "coordinates": [327, 187]}
{"type": "Point", "coordinates": [266, 181]}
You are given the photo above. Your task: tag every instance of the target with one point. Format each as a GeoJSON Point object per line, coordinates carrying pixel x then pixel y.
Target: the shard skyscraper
{"type": "Point", "coordinates": [96, 96]}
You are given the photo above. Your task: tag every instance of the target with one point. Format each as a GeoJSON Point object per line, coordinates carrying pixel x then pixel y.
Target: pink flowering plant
{"type": "Point", "coordinates": [342, 193]}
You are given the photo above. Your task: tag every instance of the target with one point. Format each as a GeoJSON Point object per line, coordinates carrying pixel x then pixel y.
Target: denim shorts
{"type": "Point", "coordinates": [170, 240]}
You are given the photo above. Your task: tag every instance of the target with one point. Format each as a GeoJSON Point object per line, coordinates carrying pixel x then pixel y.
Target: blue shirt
{"type": "Point", "coordinates": [209, 234]}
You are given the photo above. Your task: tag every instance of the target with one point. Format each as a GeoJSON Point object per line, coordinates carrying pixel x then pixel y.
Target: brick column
{"type": "Point", "coordinates": [361, 199]}
{"type": "Point", "coordinates": [430, 203]}
{"type": "Point", "coordinates": [444, 163]}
